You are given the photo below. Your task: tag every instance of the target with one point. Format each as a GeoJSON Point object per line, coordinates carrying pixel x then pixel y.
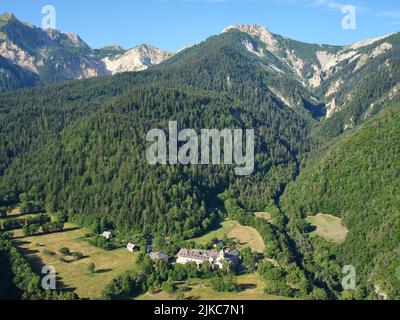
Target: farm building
{"type": "Point", "coordinates": [214, 257]}
{"type": "Point", "coordinates": [158, 256]}
{"type": "Point", "coordinates": [131, 247]}
{"type": "Point", "coordinates": [107, 235]}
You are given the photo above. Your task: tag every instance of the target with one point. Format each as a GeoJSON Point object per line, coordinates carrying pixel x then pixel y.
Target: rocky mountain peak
{"type": "Point", "coordinates": [257, 31]}
{"type": "Point", "coordinates": [71, 37]}
{"type": "Point", "coordinates": [367, 42]}
{"type": "Point", "coordinates": [6, 17]}
{"type": "Point", "coordinates": [138, 58]}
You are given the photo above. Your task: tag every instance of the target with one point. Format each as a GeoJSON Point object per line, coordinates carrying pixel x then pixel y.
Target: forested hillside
{"type": "Point", "coordinates": [356, 179]}
{"type": "Point", "coordinates": [31, 56]}
{"type": "Point", "coordinates": [366, 85]}
{"type": "Point", "coordinates": [82, 145]}
{"type": "Point", "coordinates": [79, 148]}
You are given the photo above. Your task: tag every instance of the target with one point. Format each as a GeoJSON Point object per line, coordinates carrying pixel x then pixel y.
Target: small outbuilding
{"type": "Point", "coordinates": [107, 235]}
{"type": "Point", "coordinates": [131, 247]}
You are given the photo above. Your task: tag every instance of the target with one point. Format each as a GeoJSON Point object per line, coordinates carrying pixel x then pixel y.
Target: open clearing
{"type": "Point", "coordinates": [328, 227]}
{"type": "Point", "coordinates": [252, 284]}
{"type": "Point", "coordinates": [15, 211]}
{"type": "Point", "coordinates": [244, 236]}
{"type": "Point", "coordinates": [74, 274]}
{"type": "Point", "coordinates": [247, 237]}
{"type": "Point", "coordinates": [219, 232]}
{"type": "Point", "coordinates": [264, 215]}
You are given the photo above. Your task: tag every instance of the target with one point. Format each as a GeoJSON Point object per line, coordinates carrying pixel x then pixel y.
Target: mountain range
{"type": "Point", "coordinates": [33, 56]}
{"type": "Point", "coordinates": [327, 141]}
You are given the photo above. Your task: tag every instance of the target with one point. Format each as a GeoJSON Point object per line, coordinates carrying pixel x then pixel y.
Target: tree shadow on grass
{"type": "Point", "coordinates": [21, 243]}
{"type": "Point", "coordinates": [26, 251]}
{"type": "Point", "coordinates": [213, 227]}
{"type": "Point", "coordinates": [247, 286]}
{"type": "Point", "coordinates": [72, 259]}
{"type": "Point", "coordinates": [44, 234]}
{"type": "Point", "coordinates": [19, 215]}
{"type": "Point", "coordinates": [37, 264]}
{"type": "Point", "coordinates": [311, 228]}
{"type": "Point", "coordinates": [62, 286]}
{"type": "Point", "coordinates": [103, 271]}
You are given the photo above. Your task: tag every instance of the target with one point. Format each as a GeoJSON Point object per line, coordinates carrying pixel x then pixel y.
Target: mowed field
{"type": "Point", "coordinates": [252, 289]}
{"type": "Point", "coordinates": [243, 235]}
{"type": "Point", "coordinates": [328, 227]}
{"type": "Point", "coordinates": [74, 274]}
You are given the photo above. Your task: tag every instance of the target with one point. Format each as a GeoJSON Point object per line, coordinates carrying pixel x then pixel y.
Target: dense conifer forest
{"type": "Point", "coordinates": [78, 148]}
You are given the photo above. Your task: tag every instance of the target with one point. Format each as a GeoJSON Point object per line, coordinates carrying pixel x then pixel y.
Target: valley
{"type": "Point", "coordinates": [74, 173]}
{"type": "Point", "coordinates": [73, 275]}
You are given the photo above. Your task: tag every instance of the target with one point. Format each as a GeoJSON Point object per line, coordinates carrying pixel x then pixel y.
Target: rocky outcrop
{"type": "Point", "coordinates": [16, 55]}
{"type": "Point", "coordinates": [53, 55]}
{"type": "Point", "coordinates": [137, 59]}
{"type": "Point", "coordinates": [261, 33]}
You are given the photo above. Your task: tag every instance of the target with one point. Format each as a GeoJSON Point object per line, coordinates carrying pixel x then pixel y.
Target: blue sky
{"type": "Point", "coordinates": [173, 24]}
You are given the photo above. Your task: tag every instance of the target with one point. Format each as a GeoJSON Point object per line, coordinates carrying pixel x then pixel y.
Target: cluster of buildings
{"type": "Point", "coordinates": [218, 257]}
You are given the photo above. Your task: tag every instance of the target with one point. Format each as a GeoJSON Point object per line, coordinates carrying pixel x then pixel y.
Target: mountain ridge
{"type": "Point", "coordinates": [322, 71]}
{"type": "Point", "coordinates": [55, 56]}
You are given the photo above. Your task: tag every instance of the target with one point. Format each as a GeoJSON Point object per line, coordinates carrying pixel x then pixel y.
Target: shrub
{"type": "Point", "coordinates": [77, 255]}
{"type": "Point", "coordinates": [169, 287]}
{"type": "Point", "coordinates": [225, 284]}
{"type": "Point", "coordinates": [91, 268]}
{"type": "Point", "coordinates": [64, 251]}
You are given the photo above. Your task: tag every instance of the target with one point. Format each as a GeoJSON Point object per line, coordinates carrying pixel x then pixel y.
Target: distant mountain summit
{"type": "Point", "coordinates": [136, 59]}
{"type": "Point", "coordinates": [260, 32]}
{"type": "Point", "coordinates": [33, 56]}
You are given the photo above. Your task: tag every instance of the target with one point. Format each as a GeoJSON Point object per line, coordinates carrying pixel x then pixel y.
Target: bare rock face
{"type": "Point", "coordinates": [367, 42]}
{"type": "Point", "coordinates": [15, 54]}
{"type": "Point", "coordinates": [137, 59]}
{"type": "Point", "coordinates": [252, 48]}
{"type": "Point", "coordinates": [329, 65]}
{"type": "Point", "coordinates": [52, 55]}
{"type": "Point", "coordinates": [255, 30]}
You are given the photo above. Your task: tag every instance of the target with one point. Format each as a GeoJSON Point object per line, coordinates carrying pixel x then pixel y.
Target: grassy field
{"type": "Point", "coordinates": [16, 214]}
{"type": "Point", "coordinates": [219, 232]}
{"type": "Point", "coordinates": [264, 215]}
{"type": "Point", "coordinates": [244, 236]}
{"type": "Point", "coordinates": [15, 211]}
{"type": "Point", "coordinates": [74, 274]}
{"type": "Point", "coordinates": [328, 227]}
{"type": "Point", "coordinates": [252, 289]}
{"type": "Point", "coordinates": [247, 237]}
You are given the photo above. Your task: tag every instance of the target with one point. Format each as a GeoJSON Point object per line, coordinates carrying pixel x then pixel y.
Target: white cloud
{"type": "Point", "coordinates": [389, 14]}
